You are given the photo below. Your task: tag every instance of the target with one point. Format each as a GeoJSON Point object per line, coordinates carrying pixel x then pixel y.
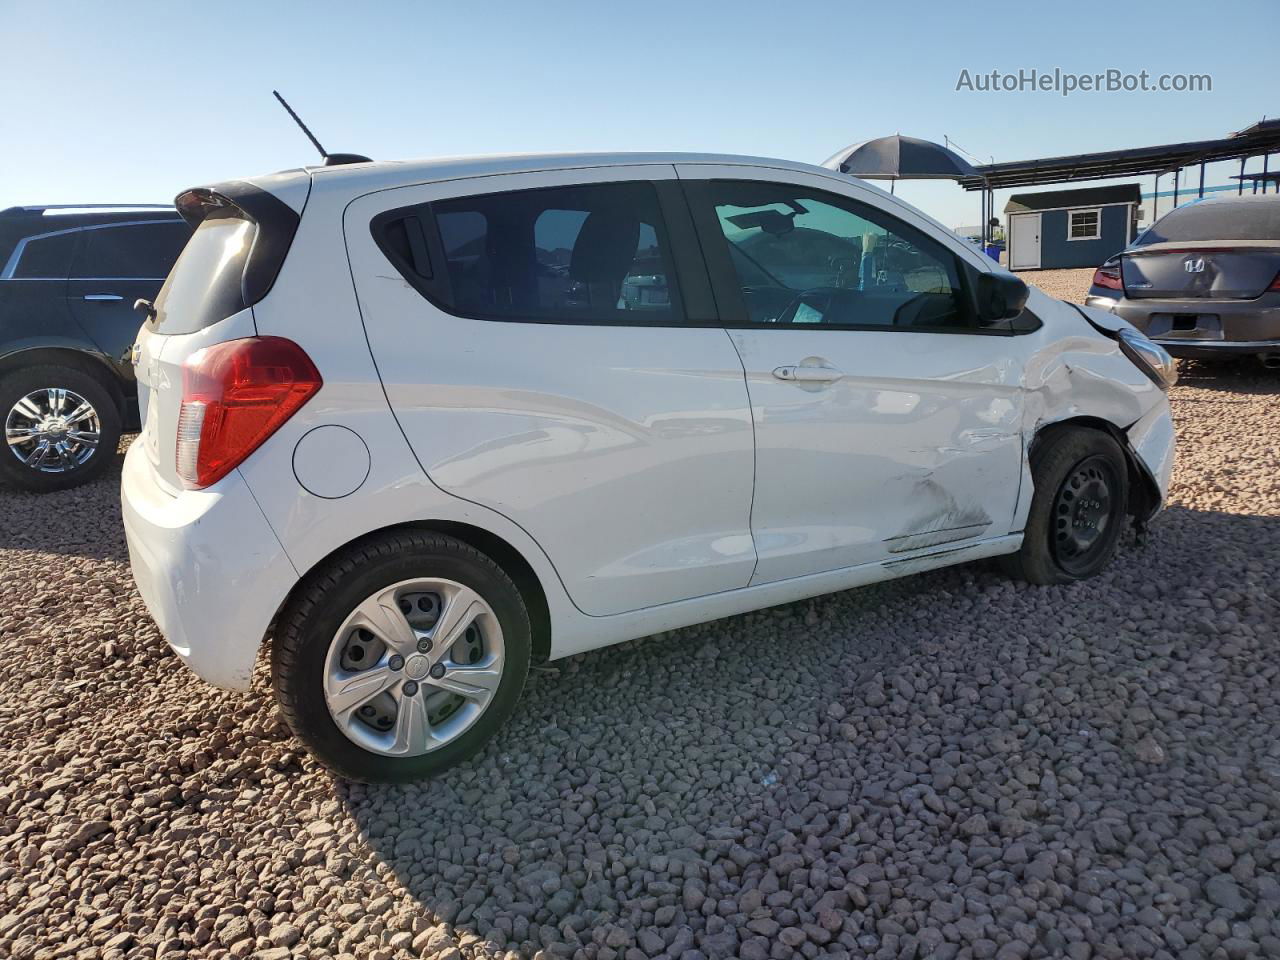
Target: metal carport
{"type": "Point", "coordinates": [1259, 140]}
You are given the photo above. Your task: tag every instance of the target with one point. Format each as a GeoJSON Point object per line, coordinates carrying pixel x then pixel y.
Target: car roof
{"type": "Point", "coordinates": [349, 180]}
{"type": "Point", "coordinates": [105, 211]}
{"type": "Point", "coordinates": [27, 220]}
{"type": "Point", "coordinates": [1218, 198]}
{"type": "Point", "coordinates": [384, 174]}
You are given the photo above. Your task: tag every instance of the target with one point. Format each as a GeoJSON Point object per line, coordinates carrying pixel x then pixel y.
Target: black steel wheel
{"type": "Point", "coordinates": [1083, 514]}
{"type": "Point", "coordinates": [1081, 480]}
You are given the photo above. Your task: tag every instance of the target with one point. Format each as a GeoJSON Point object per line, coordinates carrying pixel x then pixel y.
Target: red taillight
{"type": "Point", "coordinates": [1108, 277]}
{"type": "Point", "coordinates": [234, 396]}
{"type": "Point", "coordinates": [1275, 284]}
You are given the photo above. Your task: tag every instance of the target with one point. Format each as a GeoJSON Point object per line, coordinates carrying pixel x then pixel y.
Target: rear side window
{"type": "Point", "coordinates": [585, 254]}
{"type": "Point", "coordinates": [205, 283]}
{"type": "Point", "coordinates": [136, 251]}
{"type": "Point", "coordinates": [45, 258]}
{"type": "Point", "coordinates": [1216, 220]}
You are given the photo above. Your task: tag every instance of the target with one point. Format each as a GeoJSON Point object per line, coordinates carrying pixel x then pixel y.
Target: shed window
{"type": "Point", "coordinates": [1084, 224]}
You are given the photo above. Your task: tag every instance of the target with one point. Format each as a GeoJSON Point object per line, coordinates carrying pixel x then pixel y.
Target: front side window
{"type": "Point", "coordinates": [1083, 225]}
{"type": "Point", "coordinates": [806, 257]}
{"type": "Point", "coordinates": [139, 251]}
{"type": "Point", "coordinates": [590, 254]}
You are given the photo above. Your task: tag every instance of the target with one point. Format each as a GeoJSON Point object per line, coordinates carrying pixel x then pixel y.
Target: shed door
{"type": "Point", "coordinates": [1024, 241]}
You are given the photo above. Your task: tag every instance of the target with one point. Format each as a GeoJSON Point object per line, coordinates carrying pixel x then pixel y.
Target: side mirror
{"type": "Point", "coordinates": [999, 297]}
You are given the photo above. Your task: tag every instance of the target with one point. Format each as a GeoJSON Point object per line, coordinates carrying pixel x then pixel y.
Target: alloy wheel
{"type": "Point", "coordinates": [413, 666]}
{"type": "Point", "coordinates": [52, 430]}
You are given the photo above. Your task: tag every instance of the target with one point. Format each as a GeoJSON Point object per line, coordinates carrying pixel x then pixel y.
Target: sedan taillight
{"type": "Point", "coordinates": [234, 396]}
{"type": "Point", "coordinates": [1275, 284]}
{"type": "Point", "coordinates": [1107, 276]}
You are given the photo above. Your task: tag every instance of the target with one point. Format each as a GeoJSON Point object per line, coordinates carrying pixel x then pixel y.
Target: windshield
{"type": "Point", "coordinates": [1216, 220]}
{"type": "Point", "coordinates": [204, 286]}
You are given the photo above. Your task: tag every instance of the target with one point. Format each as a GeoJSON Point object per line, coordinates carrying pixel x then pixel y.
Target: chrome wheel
{"type": "Point", "coordinates": [52, 430]}
{"type": "Point", "coordinates": [413, 667]}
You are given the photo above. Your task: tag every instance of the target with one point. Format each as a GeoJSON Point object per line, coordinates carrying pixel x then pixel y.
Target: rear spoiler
{"type": "Point", "coordinates": [277, 222]}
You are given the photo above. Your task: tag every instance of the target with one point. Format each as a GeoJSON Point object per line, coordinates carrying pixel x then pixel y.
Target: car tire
{"type": "Point", "coordinates": [28, 391]}
{"type": "Point", "coordinates": [1078, 510]}
{"type": "Point", "coordinates": [316, 636]}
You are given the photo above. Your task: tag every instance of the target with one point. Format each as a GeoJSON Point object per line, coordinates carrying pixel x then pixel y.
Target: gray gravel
{"type": "Point", "coordinates": [949, 766]}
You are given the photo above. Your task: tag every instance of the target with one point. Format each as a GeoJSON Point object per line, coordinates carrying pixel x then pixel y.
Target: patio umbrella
{"type": "Point", "coordinates": [900, 158]}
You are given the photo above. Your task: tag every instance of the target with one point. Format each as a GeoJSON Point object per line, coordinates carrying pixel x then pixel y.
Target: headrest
{"type": "Point", "coordinates": [605, 248]}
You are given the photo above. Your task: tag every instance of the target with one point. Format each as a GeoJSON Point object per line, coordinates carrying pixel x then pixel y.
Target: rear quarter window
{"type": "Point", "coordinates": [205, 285]}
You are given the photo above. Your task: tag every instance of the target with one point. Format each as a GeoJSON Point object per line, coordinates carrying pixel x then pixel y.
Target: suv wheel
{"type": "Point", "coordinates": [1078, 509]}
{"type": "Point", "coordinates": [61, 428]}
{"type": "Point", "coordinates": [402, 657]}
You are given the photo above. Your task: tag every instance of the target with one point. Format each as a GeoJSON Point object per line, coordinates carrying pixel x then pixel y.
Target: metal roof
{"type": "Point", "coordinates": [1261, 138]}
{"type": "Point", "coordinates": [1079, 197]}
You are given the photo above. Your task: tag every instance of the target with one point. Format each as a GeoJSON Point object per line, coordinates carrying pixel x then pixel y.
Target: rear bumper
{"type": "Point", "coordinates": [208, 566]}
{"type": "Point", "coordinates": [1202, 328]}
{"type": "Point", "coordinates": [1207, 350]}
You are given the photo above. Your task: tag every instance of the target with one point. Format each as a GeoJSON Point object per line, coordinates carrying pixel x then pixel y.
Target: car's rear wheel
{"type": "Point", "coordinates": [402, 657]}
{"type": "Point", "coordinates": [1078, 510]}
{"type": "Point", "coordinates": [61, 428]}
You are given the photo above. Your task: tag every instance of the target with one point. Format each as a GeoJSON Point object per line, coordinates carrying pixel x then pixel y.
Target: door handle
{"type": "Point", "coordinates": [100, 297]}
{"type": "Point", "coordinates": [800, 373]}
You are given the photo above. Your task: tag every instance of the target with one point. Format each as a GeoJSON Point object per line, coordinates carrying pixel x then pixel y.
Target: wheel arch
{"type": "Point", "coordinates": [1144, 493]}
{"type": "Point", "coordinates": [496, 548]}
{"type": "Point", "coordinates": [88, 363]}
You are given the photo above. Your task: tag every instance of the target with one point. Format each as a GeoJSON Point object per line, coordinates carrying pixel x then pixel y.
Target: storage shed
{"type": "Point", "coordinates": [1070, 228]}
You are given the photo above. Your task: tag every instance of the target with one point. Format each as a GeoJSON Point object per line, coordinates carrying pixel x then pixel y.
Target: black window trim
{"type": "Point", "coordinates": [693, 289]}
{"type": "Point", "coordinates": [727, 286]}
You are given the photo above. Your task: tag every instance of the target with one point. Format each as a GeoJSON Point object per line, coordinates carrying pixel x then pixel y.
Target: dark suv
{"type": "Point", "coordinates": [69, 277]}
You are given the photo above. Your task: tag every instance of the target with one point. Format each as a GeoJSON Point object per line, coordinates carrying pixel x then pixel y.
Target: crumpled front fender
{"type": "Point", "coordinates": [1081, 374]}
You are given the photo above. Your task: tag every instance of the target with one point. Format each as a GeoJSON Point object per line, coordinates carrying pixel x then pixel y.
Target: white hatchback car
{"type": "Point", "coordinates": [423, 423]}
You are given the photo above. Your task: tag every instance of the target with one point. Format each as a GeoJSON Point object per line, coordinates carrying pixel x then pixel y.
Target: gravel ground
{"type": "Point", "coordinates": [1064, 284]}
{"type": "Point", "coordinates": [950, 766]}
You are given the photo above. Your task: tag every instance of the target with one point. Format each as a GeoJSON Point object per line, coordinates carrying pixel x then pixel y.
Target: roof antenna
{"type": "Point", "coordinates": [330, 159]}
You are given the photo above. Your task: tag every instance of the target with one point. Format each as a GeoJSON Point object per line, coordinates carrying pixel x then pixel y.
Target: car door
{"type": "Point", "coordinates": [116, 265]}
{"type": "Point", "coordinates": [548, 345]}
{"type": "Point", "coordinates": [33, 287]}
{"type": "Point", "coordinates": [887, 422]}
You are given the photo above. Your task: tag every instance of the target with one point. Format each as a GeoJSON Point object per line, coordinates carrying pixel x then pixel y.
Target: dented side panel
{"type": "Point", "coordinates": [918, 444]}
{"type": "Point", "coordinates": [922, 443]}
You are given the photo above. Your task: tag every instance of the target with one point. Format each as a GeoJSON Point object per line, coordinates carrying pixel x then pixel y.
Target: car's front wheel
{"type": "Point", "coordinates": [61, 428]}
{"type": "Point", "coordinates": [1078, 509]}
{"type": "Point", "coordinates": [402, 657]}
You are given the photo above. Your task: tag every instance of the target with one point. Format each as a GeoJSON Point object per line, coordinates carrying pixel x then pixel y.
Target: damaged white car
{"type": "Point", "coordinates": [425, 423]}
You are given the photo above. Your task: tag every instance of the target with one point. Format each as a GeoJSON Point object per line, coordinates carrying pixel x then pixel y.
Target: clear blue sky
{"type": "Point", "coordinates": [132, 101]}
